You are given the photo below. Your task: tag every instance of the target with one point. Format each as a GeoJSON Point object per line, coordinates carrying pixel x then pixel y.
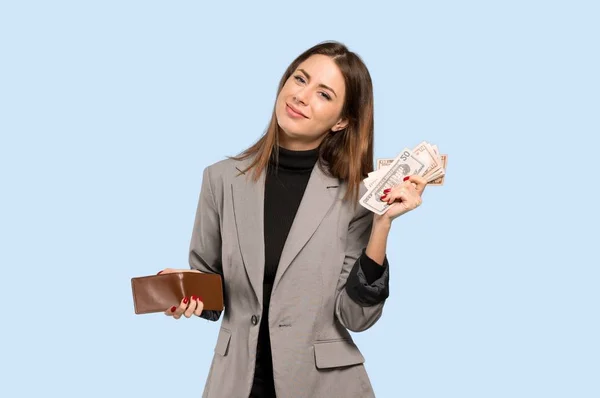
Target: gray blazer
{"type": "Point", "coordinates": [310, 312]}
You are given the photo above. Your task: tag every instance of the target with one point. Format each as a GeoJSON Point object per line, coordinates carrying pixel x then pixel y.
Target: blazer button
{"type": "Point", "coordinates": [254, 319]}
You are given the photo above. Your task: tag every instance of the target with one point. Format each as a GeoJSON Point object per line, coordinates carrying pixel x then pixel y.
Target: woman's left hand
{"type": "Point", "coordinates": [403, 198]}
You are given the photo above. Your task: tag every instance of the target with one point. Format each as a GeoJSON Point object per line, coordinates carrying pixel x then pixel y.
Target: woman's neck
{"type": "Point", "coordinates": [301, 160]}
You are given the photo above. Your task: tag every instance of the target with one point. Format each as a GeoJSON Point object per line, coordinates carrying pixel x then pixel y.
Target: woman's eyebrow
{"type": "Point", "coordinates": [320, 85]}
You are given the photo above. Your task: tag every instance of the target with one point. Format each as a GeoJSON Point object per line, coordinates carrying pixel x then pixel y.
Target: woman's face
{"type": "Point", "coordinates": [310, 103]}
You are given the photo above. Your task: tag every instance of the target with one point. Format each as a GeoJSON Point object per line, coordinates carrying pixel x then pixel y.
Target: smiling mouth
{"type": "Point", "coordinates": [295, 112]}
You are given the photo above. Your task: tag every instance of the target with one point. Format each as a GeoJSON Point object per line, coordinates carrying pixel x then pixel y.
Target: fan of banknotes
{"type": "Point", "coordinates": [424, 160]}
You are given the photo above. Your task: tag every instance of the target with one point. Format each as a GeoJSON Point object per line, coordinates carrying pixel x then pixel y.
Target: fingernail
{"type": "Point", "coordinates": [173, 309]}
{"type": "Point", "coordinates": [185, 300]}
{"type": "Point", "coordinates": [383, 196]}
{"type": "Point", "coordinates": [387, 190]}
{"type": "Point", "coordinates": [406, 178]}
{"type": "Point", "coordinates": [159, 272]}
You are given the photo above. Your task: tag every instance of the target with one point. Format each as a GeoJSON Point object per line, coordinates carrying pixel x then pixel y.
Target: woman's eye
{"type": "Point", "coordinates": [300, 79]}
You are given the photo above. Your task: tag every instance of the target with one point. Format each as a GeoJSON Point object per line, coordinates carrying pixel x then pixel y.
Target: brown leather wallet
{"type": "Point", "coordinates": [156, 293]}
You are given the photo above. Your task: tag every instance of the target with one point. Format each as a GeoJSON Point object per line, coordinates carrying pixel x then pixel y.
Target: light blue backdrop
{"type": "Point", "coordinates": [109, 111]}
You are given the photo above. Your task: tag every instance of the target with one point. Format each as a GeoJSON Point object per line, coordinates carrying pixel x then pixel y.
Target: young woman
{"type": "Point", "coordinates": [302, 262]}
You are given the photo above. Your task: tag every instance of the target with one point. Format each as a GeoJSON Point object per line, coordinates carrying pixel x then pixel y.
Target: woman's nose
{"type": "Point", "coordinates": [300, 96]}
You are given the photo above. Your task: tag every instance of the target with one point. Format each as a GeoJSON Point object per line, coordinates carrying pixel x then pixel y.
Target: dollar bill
{"type": "Point", "coordinates": [381, 163]}
{"type": "Point", "coordinates": [427, 153]}
{"type": "Point", "coordinates": [373, 176]}
{"type": "Point", "coordinates": [440, 180]}
{"type": "Point", "coordinates": [434, 179]}
{"type": "Point", "coordinates": [403, 165]}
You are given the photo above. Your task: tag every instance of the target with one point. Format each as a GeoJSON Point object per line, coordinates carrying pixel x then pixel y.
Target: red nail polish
{"type": "Point", "coordinates": [193, 298]}
{"type": "Point", "coordinates": [173, 309]}
{"type": "Point", "coordinates": [383, 196]}
{"type": "Point", "coordinates": [406, 178]}
{"type": "Point", "coordinates": [387, 190]}
{"type": "Point", "coordinates": [200, 299]}
{"type": "Point", "coordinates": [185, 300]}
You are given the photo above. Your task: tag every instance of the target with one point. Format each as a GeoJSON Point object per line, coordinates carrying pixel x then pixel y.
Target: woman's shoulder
{"type": "Point", "coordinates": [225, 169]}
{"type": "Point", "coordinates": [222, 165]}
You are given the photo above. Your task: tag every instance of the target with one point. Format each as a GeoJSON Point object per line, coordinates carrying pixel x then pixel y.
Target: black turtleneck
{"type": "Point", "coordinates": [284, 189]}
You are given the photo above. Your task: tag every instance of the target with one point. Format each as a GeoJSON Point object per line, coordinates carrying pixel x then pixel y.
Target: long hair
{"type": "Point", "coordinates": [346, 154]}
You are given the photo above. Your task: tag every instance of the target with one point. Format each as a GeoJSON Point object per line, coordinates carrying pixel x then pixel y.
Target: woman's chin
{"type": "Point", "coordinates": [287, 136]}
{"type": "Point", "coordinates": [289, 131]}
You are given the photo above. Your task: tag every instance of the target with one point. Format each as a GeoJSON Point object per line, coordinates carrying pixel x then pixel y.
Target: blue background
{"type": "Point", "coordinates": [109, 111]}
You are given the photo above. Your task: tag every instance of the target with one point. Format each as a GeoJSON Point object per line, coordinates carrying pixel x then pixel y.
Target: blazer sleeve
{"type": "Point", "coordinates": [360, 297]}
{"type": "Point", "coordinates": [368, 282]}
{"type": "Point", "coordinates": [205, 245]}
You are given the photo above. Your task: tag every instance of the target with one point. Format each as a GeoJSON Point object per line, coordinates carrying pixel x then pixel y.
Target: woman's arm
{"type": "Point", "coordinates": [363, 285]}
{"type": "Point", "coordinates": [376, 248]}
{"type": "Point", "coordinates": [205, 245]}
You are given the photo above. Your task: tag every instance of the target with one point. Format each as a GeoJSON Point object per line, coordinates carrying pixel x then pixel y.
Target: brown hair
{"type": "Point", "coordinates": [346, 154]}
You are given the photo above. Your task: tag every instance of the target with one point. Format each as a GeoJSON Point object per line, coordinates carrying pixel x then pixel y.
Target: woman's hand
{"type": "Point", "coordinates": [189, 305]}
{"type": "Point", "coordinates": [402, 198]}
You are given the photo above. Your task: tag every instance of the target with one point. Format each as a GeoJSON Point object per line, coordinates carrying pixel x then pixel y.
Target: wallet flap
{"type": "Point", "coordinates": [156, 293]}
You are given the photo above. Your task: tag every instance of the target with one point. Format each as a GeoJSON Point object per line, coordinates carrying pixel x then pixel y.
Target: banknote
{"type": "Point", "coordinates": [435, 179]}
{"type": "Point", "coordinates": [374, 175]}
{"type": "Point", "coordinates": [440, 180]}
{"type": "Point", "coordinates": [424, 151]}
{"type": "Point", "coordinates": [403, 165]}
{"type": "Point", "coordinates": [381, 163]}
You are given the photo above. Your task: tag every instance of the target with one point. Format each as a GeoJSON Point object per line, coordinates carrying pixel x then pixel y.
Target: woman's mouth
{"type": "Point", "coordinates": [294, 113]}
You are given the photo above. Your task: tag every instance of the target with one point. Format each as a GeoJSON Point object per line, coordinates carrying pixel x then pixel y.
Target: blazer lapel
{"type": "Point", "coordinates": [320, 194]}
{"type": "Point", "coordinates": [248, 205]}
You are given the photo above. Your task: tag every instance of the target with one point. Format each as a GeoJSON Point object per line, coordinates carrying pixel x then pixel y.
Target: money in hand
{"type": "Point", "coordinates": [424, 160]}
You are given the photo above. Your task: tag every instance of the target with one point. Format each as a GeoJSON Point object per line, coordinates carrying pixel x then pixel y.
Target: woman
{"type": "Point", "coordinates": [302, 263]}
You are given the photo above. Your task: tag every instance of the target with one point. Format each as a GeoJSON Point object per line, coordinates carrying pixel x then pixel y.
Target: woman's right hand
{"type": "Point", "coordinates": [188, 306]}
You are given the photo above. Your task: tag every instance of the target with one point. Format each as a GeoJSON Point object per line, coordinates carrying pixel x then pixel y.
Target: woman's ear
{"type": "Point", "coordinates": [340, 125]}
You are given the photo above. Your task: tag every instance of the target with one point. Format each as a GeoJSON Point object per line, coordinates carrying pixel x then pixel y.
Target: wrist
{"type": "Point", "coordinates": [376, 246]}
{"type": "Point", "coordinates": [382, 224]}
